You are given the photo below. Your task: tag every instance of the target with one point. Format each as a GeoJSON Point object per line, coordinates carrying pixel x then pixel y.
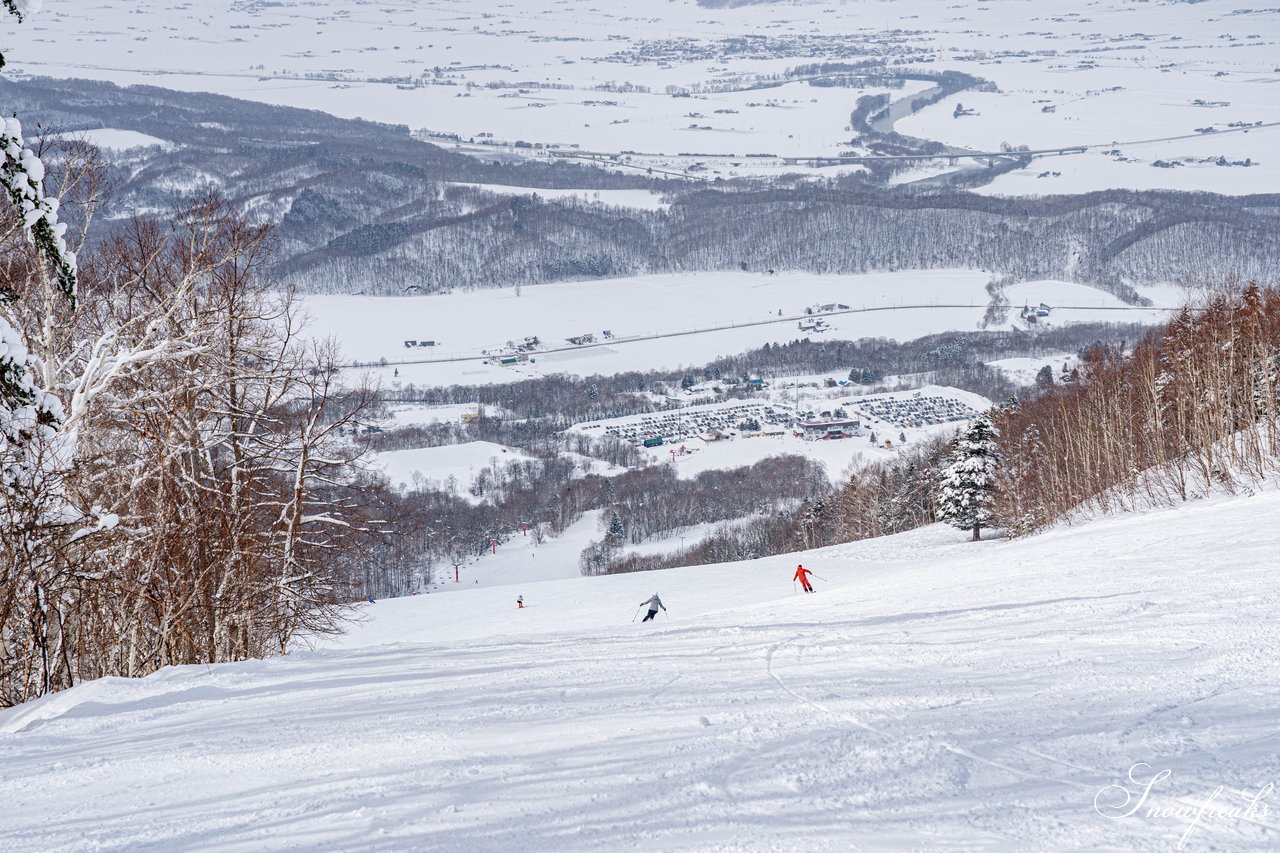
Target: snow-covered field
{"type": "Point", "coordinates": [1139, 112]}
{"type": "Point", "coordinates": [664, 322]}
{"type": "Point", "coordinates": [407, 414]}
{"type": "Point", "coordinates": [115, 140]}
{"type": "Point", "coordinates": [933, 694]}
{"type": "Point", "coordinates": [1024, 370]}
{"type": "Point", "coordinates": [459, 462]}
{"type": "Point", "coordinates": [597, 77]}
{"type": "Point", "coordinates": [1104, 687]}
{"type": "Point", "coordinates": [458, 465]}
{"type": "Point", "coordinates": [522, 560]}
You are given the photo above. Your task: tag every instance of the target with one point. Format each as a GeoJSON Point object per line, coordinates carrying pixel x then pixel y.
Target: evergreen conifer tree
{"type": "Point", "coordinates": [966, 493]}
{"type": "Point", "coordinates": [615, 534]}
{"type": "Point", "coordinates": [27, 411]}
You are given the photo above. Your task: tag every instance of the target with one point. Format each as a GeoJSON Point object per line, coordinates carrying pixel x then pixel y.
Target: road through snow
{"type": "Point", "coordinates": [934, 694]}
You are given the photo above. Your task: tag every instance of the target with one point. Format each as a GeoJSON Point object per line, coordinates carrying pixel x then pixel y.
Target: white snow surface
{"type": "Point", "coordinates": [415, 414]}
{"type": "Point", "coordinates": [114, 139]}
{"type": "Point", "coordinates": [933, 694]}
{"type": "Point", "coordinates": [463, 462]}
{"type": "Point", "coordinates": [1024, 370]}
{"type": "Point", "coordinates": [521, 560]}
{"type": "Point", "coordinates": [673, 320]}
{"type": "Point", "coordinates": [586, 76]}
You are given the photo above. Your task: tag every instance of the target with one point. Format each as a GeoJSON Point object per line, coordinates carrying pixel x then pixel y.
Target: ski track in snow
{"type": "Point", "coordinates": [934, 694]}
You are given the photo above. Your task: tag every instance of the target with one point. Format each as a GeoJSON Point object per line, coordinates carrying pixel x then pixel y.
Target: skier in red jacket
{"type": "Point", "coordinates": [802, 575]}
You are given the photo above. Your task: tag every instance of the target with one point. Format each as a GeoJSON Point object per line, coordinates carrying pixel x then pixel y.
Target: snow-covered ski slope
{"type": "Point", "coordinates": [934, 694]}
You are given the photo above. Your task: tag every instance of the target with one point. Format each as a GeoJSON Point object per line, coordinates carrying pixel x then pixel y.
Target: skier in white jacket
{"type": "Point", "coordinates": [654, 603]}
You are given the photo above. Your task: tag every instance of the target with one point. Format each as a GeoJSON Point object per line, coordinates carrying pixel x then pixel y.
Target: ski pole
{"type": "Point", "coordinates": [794, 591]}
{"type": "Point", "coordinates": [633, 618]}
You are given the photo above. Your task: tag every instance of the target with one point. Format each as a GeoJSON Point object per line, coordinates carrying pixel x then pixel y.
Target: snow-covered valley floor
{"type": "Point", "coordinates": [934, 694]}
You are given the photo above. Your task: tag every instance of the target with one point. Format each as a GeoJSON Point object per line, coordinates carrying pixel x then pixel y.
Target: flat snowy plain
{"type": "Point", "coordinates": [665, 322]}
{"type": "Point", "coordinates": [934, 694]}
{"type": "Point", "coordinates": [596, 75]}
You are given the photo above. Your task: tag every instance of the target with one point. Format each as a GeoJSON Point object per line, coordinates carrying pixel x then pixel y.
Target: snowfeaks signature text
{"type": "Point", "coordinates": [1136, 799]}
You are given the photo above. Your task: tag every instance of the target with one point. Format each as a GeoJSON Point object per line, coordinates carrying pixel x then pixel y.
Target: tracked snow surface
{"type": "Point", "coordinates": [933, 694]}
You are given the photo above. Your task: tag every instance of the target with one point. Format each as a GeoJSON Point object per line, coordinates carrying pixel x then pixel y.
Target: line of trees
{"type": "Point", "coordinates": [1192, 409]}
{"type": "Point", "coordinates": [1195, 407]}
{"type": "Point", "coordinates": [442, 525]}
{"type": "Point", "coordinates": [176, 481]}
{"type": "Point", "coordinates": [186, 495]}
{"type": "Point", "coordinates": [1158, 236]}
{"type": "Point", "coordinates": [879, 498]}
{"type": "Point", "coordinates": [654, 504]}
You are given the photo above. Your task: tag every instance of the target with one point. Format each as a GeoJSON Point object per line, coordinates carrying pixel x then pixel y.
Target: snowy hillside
{"type": "Point", "coordinates": [933, 694]}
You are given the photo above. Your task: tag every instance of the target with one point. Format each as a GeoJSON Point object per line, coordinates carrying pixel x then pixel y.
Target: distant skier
{"type": "Point", "coordinates": [802, 575]}
{"type": "Point", "coordinates": [654, 603]}
{"type": "Point", "coordinates": [520, 601]}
